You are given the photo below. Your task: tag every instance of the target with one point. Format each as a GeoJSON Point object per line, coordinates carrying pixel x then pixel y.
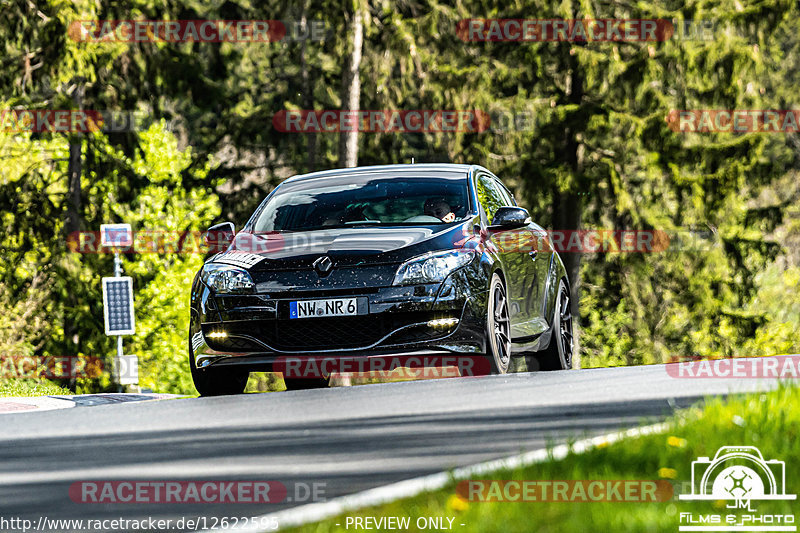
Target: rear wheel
{"type": "Point", "coordinates": [498, 327]}
{"type": "Point", "coordinates": [558, 356]}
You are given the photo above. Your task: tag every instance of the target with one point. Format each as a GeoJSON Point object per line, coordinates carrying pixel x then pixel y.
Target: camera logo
{"type": "Point", "coordinates": [738, 473]}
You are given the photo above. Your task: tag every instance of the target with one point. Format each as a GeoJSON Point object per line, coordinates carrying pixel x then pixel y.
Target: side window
{"type": "Point", "coordinates": [489, 196]}
{"type": "Point", "coordinates": [505, 193]}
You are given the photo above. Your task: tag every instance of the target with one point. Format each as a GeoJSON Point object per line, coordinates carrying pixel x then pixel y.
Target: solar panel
{"type": "Point", "coordinates": [118, 306]}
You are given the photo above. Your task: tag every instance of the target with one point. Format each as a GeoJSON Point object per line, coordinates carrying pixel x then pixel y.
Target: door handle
{"type": "Point", "coordinates": [533, 254]}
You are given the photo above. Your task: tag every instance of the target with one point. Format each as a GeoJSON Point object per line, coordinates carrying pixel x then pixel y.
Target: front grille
{"type": "Point", "coordinates": [333, 332]}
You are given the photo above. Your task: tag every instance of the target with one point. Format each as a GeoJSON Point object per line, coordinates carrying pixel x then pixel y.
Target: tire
{"type": "Point", "coordinates": [558, 355]}
{"type": "Point", "coordinates": [305, 383]}
{"type": "Point", "coordinates": [218, 381]}
{"type": "Point", "coordinates": [498, 327]}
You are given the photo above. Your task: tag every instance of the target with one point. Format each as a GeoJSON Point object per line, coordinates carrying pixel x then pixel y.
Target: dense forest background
{"type": "Point", "coordinates": [595, 150]}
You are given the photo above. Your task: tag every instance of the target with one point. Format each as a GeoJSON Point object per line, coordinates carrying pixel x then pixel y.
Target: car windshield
{"type": "Point", "coordinates": [331, 202]}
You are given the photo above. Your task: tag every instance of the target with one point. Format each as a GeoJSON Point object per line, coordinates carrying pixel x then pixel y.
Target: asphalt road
{"type": "Point", "coordinates": [350, 438]}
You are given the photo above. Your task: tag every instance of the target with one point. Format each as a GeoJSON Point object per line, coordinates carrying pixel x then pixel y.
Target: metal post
{"type": "Point", "coordinates": [118, 273]}
{"type": "Point", "coordinates": [118, 237]}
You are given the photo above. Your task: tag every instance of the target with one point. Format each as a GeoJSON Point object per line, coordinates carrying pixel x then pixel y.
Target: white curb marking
{"type": "Point", "coordinates": [27, 404]}
{"type": "Point", "coordinates": [36, 403]}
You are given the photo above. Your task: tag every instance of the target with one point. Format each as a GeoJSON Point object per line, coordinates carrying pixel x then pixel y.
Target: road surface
{"type": "Point", "coordinates": [349, 438]}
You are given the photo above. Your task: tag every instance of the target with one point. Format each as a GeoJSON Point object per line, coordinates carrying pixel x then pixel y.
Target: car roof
{"type": "Point", "coordinates": [418, 168]}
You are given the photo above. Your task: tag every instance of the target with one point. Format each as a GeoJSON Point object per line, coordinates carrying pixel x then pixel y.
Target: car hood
{"type": "Point", "coordinates": [344, 246]}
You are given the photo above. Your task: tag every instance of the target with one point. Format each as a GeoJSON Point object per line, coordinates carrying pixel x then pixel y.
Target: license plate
{"type": "Point", "coordinates": [324, 308]}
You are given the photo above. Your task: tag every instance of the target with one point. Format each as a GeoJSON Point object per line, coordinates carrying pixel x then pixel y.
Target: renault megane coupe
{"type": "Point", "coordinates": [378, 261]}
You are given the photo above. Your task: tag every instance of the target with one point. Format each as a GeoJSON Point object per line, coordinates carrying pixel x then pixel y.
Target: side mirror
{"type": "Point", "coordinates": [219, 237]}
{"type": "Point", "coordinates": [510, 218]}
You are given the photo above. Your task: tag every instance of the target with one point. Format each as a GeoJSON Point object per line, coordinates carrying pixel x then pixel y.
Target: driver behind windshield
{"type": "Point", "coordinates": [439, 208]}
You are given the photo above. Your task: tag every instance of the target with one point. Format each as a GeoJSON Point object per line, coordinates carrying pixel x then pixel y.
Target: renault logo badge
{"type": "Point", "coordinates": [323, 265]}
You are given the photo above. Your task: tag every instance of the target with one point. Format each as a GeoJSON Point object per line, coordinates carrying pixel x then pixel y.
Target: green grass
{"type": "Point", "coordinates": [769, 421]}
{"type": "Point", "coordinates": [29, 387]}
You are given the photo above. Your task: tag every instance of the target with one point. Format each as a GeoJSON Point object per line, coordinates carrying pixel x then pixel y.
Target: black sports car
{"type": "Point", "coordinates": [358, 263]}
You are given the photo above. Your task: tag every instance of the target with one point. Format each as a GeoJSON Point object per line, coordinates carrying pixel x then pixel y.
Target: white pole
{"type": "Point", "coordinates": [117, 274]}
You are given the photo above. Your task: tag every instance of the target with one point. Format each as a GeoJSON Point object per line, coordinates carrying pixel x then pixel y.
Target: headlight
{"type": "Point", "coordinates": [227, 279]}
{"type": "Point", "coordinates": [433, 267]}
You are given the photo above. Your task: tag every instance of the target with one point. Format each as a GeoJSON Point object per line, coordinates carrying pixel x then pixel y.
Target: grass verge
{"type": "Point", "coordinates": [769, 421]}
{"type": "Point", "coordinates": [29, 387]}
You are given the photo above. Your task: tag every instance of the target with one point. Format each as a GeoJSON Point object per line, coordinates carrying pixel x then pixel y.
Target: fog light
{"type": "Point", "coordinates": [217, 335]}
{"type": "Point", "coordinates": [442, 322]}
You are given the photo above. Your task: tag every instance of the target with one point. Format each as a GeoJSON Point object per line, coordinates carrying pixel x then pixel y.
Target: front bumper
{"type": "Point", "coordinates": [259, 333]}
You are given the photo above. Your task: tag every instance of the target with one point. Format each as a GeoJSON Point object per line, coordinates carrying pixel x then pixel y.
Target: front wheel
{"type": "Point", "coordinates": [498, 327]}
{"type": "Point", "coordinates": [558, 355]}
{"type": "Point", "coordinates": [217, 381]}
{"type": "Point", "coordinates": [305, 383]}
